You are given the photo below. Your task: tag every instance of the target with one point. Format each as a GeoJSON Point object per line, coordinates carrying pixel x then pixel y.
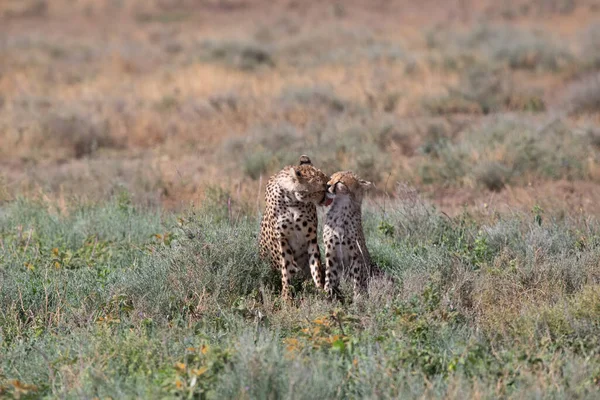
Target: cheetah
{"type": "Point", "coordinates": [343, 237]}
{"type": "Point", "coordinates": [288, 229]}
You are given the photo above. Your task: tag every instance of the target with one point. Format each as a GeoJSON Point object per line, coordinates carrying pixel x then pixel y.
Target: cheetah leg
{"type": "Point", "coordinates": [357, 271]}
{"type": "Point", "coordinates": [332, 274]}
{"type": "Point", "coordinates": [356, 274]}
{"type": "Point", "coordinates": [288, 268]}
{"type": "Point", "coordinates": [316, 268]}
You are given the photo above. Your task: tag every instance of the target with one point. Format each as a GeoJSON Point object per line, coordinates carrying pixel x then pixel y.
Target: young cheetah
{"type": "Point", "coordinates": [345, 246]}
{"type": "Point", "coordinates": [288, 230]}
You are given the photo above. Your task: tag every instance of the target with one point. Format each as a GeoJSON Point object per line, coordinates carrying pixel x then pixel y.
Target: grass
{"type": "Point", "coordinates": [519, 49]}
{"type": "Point", "coordinates": [484, 89]}
{"type": "Point", "coordinates": [505, 150]}
{"type": "Point", "coordinates": [245, 56]}
{"type": "Point", "coordinates": [584, 95]}
{"type": "Point", "coordinates": [175, 87]}
{"type": "Point", "coordinates": [132, 169]}
{"type": "Point", "coordinates": [340, 143]}
{"type": "Point", "coordinates": [590, 38]}
{"type": "Point", "coordinates": [505, 307]}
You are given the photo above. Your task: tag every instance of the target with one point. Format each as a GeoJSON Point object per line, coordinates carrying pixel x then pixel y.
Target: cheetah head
{"type": "Point", "coordinates": [347, 185]}
{"type": "Point", "coordinates": [306, 183]}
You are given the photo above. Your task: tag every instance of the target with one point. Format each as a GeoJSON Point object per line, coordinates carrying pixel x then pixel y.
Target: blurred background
{"type": "Point", "coordinates": [476, 103]}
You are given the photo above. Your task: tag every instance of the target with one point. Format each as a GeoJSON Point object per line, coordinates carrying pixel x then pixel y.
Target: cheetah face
{"type": "Point", "coordinates": [347, 184]}
{"type": "Point", "coordinates": [307, 184]}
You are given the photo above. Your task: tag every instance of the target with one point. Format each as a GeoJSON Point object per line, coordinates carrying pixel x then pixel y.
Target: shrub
{"type": "Point", "coordinates": [518, 49]}
{"type": "Point", "coordinates": [25, 9]}
{"type": "Point", "coordinates": [338, 45]}
{"type": "Point", "coordinates": [590, 51]}
{"type": "Point", "coordinates": [35, 127]}
{"type": "Point", "coordinates": [584, 95]}
{"type": "Point", "coordinates": [492, 175]}
{"type": "Point", "coordinates": [442, 105]}
{"type": "Point", "coordinates": [489, 88]}
{"type": "Point", "coordinates": [241, 55]}
{"type": "Point", "coordinates": [523, 149]}
{"type": "Point", "coordinates": [80, 135]}
{"type": "Point", "coordinates": [484, 89]}
{"type": "Point", "coordinates": [317, 96]}
{"type": "Point", "coordinates": [341, 143]}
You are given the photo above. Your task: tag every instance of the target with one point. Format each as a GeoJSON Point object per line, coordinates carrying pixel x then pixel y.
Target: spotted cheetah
{"type": "Point", "coordinates": [288, 230]}
{"type": "Point", "coordinates": [345, 246]}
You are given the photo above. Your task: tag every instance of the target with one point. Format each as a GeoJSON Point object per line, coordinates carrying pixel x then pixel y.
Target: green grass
{"type": "Point", "coordinates": [112, 300]}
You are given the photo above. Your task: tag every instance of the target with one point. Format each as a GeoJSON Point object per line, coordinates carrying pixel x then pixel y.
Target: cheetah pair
{"type": "Point", "coordinates": [288, 230]}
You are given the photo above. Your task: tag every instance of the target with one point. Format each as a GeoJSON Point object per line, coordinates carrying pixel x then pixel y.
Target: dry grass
{"type": "Point", "coordinates": [173, 85]}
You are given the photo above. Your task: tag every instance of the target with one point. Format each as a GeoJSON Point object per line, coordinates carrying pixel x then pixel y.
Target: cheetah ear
{"type": "Point", "coordinates": [366, 185]}
{"type": "Point", "coordinates": [294, 173]}
{"type": "Point", "coordinates": [305, 160]}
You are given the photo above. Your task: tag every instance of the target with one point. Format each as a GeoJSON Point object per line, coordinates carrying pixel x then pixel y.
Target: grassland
{"type": "Point", "coordinates": [135, 141]}
{"type": "Point", "coordinates": [112, 301]}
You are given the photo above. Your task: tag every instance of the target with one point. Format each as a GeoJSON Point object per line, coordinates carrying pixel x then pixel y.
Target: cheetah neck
{"type": "Point", "coordinates": [345, 205]}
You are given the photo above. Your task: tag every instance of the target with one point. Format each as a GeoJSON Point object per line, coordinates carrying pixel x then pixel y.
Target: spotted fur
{"type": "Point", "coordinates": [288, 230]}
{"type": "Point", "coordinates": [345, 247]}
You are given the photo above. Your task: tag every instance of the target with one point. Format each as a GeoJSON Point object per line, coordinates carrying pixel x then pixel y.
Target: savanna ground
{"type": "Point", "coordinates": [136, 138]}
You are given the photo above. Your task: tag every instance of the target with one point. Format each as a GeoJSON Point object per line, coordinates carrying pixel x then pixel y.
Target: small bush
{"type": "Point", "coordinates": [532, 8]}
{"type": "Point", "coordinates": [584, 95]}
{"type": "Point", "coordinates": [264, 149]}
{"type": "Point", "coordinates": [257, 163]}
{"type": "Point", "coordinates": [317, 97]}
{"type": "Point", "coordinates": [80, 135]}
{"type": "Point", "coordinates": [519, 49]}
{"type": "Point", "coordinates": [483, 89]}
{"type": "Point", "coordinates": [489, 88]}
{"type": "Point", "coordinates": [339, 45]}
{"type": "Point", "coordinates": [590, 51]}
{"type": "Point", "coordinates": [593, 134]}
{"type": "Point", "coordinates": [340, 144]}
{"type": "Point", "coordinates": [241, 55]}
{"type": "Point", "coordinates": [492, 175]}
{"type": "Point", "coordinates": [25, 9]}
{"type": "Point", "coordinates": [523, 149]}
{"type": "Point", "coordinates": [450, 105]}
